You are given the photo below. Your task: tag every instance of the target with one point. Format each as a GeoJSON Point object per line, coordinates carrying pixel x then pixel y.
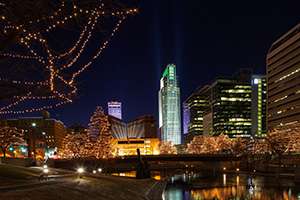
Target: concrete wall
{"type": "Point", "coordinates": [16, 161]}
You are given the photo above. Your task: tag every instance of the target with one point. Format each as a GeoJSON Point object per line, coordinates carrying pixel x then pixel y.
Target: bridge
{"type": "Point", "coordinates": [157, 162]}
{"type": "Point", "coordinates": [178, 157]}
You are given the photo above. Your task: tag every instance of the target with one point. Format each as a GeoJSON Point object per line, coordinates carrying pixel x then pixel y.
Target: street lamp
{"type": "Point", "coordinates": [33, 138]}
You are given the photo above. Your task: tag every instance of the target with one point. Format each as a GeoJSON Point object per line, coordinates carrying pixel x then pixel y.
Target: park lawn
{"type": "Point", "coordinates": [17, 172]}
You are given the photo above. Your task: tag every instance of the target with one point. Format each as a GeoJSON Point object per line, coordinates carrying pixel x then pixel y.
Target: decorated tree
{"type": "Point", "coordinates": [99, 143]}
{"type": "Point", "coordinates": [223, 143]}
{"type": "Point", "coordinates": [73, 145]}
{"type": "Point", "coordinates": [166, 147]}
{"type": "Point", "coordinates": [284, 139]}
{"type": "Point", "coordinates": [239, 146]}
{"type": "Point", "coordinates": [47, 44]}
{"type": "Point", "coordinates": [197, 145]}
{"type": "Point", "coordinates": [206, 144]}
{"type": "Point", "coordinates": [10, 136]}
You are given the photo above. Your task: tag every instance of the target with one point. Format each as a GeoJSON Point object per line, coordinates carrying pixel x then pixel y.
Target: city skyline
{"type": "Point", "coordinates": [203, 40]}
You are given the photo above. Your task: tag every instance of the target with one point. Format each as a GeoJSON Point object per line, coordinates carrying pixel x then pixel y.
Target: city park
{"type": "Point", "coordinates": [42, 75]}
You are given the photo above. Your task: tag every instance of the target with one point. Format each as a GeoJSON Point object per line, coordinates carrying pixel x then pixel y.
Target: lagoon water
{"type": "Point", "coordinates": [189, 185]}
{"type": "Point", "coordinates": [198, 186]}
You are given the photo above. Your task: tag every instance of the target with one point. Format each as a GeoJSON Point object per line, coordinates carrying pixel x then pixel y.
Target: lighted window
{"type": "Point", "coordinates": [256, 81]}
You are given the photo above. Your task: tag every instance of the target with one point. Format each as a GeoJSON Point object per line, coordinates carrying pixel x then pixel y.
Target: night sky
{"type": "Point", "coordinates": [204, 39]}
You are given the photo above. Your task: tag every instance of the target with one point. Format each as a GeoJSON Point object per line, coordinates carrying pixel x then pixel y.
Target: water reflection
{"type": "Point", "coordinates": [185, 185]}
{"type": "Point", "coordinates": [232, 186]}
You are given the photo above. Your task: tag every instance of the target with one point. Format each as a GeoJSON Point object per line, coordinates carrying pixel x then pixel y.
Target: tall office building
{"type": "Point", "coordinates": [115, 109]}
{"type": "Point", "coordinates": [169, 106]}
{"type": "Point", "coordinates": [194, 107]}
{"type": "Point", "coordinates": [283, 80]}
{"type": "Point", "coordinates": [231, 105]}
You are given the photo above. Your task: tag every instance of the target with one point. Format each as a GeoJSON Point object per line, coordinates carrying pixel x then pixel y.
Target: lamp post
{"type": "Point", "coordinates": [45, 139]}
{"type": "Point", "coordinates": [33, 139]}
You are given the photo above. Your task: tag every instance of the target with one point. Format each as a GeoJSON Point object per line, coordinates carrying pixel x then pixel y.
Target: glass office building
{"type": "Point", "coordinates": [235, 106]}
{"type": "Point", "coordinates": [169, 106]}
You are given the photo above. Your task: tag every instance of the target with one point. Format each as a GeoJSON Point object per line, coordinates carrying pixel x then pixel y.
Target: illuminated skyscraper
{"type": "Point", "coordinates": [115, 109]}
{"type": "Point", "coordinates": [169, 106]}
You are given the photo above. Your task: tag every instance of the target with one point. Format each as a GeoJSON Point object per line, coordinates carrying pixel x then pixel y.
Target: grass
{"type": "Point", "coordinates": [16, 172]}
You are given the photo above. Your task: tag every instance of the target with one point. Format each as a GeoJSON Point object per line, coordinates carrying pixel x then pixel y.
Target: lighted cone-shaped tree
{"type": "Point", "coordinates": [10, 136]}
{"type": "Point", "coordinates": [99, 145]}
{"type": "Point", "coordinates": [73, 146]}
{"type": "Point", "coordinates": [166, 147]}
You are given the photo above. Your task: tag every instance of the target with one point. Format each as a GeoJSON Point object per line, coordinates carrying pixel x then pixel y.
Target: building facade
{"type": "Point", "coordinates": [142, 127]}
{"type": "Point", "coordinates": [229, 105]}
{"type": "Point", "coordinates": [118, 127]}
{"type": "Point", "coordinates": [169, 106]}
{"type": "Point", "coordinates": [48, 131]}
{"type": "Point", "coordinates": [115, 109]}
{"type": "Point", "coordinates": [147, 146]}
{"type": "Point", "coordinates": [283, 80]}
{"type": "Point", "coordinates": [258, 105]}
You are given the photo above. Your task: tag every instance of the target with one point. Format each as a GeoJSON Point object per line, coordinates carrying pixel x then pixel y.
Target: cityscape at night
{"type": "Point", "coordinates": [172, 99]}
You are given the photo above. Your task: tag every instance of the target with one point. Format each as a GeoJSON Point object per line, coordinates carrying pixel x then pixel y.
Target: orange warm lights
{"type": "Point", "coordinates": [58, 85]}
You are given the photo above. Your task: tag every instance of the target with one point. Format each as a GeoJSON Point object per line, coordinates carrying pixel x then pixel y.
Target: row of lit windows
{"type": "Point", "coordinates": [297, 85]}
{"type": "Point", "coordinates": [236, 91]}
{"type": "Point", "coordinates": [242, 86]}
{"type": "Point", "coordinates": [235, 99]}
{"type": "Point", "coordinates": [290, 74]}
{"type": "Point", "coordinates": [233, 124]}
{"type": "Point", "coordinates": [286, 68]}
{"type": "Point", "coordinates": [284, 83]}
{"type": "Point", "coordinates": [282, 98]}
{"type": "Point", "coordinates": [282, 111]}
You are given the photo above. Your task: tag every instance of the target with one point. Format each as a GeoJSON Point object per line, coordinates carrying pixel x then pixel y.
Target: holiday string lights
{"type": "Point", "coordinates": [58, 84]}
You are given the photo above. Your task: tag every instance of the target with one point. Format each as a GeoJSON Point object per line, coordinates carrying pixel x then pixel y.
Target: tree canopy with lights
{"type": "Point", "coordinates": [10, 136]}
{"type": "Point", "coordinates": [46, 44]}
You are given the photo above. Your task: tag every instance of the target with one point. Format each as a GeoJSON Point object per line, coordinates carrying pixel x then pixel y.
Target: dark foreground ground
{"type": "Point", "coordinates": [23, 183]}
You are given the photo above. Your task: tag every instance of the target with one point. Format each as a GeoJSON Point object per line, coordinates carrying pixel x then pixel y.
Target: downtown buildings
{"type": "Point", "coordinates": [41, 133]}
{"type": "Point", "coordinates": [233, 105]}
{"type": "Point", "coordinates": [283, 80]}
{"type": "Point", "coordinates": [169, 107]}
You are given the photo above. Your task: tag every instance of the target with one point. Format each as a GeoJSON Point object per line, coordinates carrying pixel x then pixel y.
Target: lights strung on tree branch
{"type": "Point", "coordinates": [36, 43]}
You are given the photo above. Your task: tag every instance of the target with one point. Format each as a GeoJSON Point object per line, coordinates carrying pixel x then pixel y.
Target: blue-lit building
{"type": "Point", "coordinates": [169, 106]}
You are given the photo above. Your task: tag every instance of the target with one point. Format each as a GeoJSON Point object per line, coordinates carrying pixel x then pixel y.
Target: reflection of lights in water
{"type": "Point", "coordinates": [290, 192]}
{"type": "Point", "coordinates": [224, 179]}
{"type": "Point", "coordinates": [183, 177]}
{"type": "Point", "coordinates": [251, 191]}
{"type": "Point", "coordinates": [172, 179]}
{"type": "Point", "coordinates": [237, 180]}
